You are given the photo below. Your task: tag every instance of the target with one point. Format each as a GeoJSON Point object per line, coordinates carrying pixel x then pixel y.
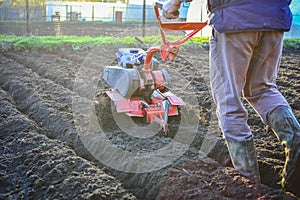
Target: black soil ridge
{"type": "Point", "coordinates": [44, 99]}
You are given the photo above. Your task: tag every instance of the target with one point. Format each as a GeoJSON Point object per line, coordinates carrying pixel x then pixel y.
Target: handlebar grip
{"type": "Point", "coordinates": [176, 13]}
{"type": "Point", "coordinates": [160, 5]}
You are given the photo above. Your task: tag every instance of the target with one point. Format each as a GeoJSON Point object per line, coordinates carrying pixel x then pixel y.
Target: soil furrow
{"type": "Point", "coordinates": [35, 98]}
{"type": "Point", "coordinates": [47, 68]}
{"type": "Point", "coordinates": [44, 94]}
{"type": "Point", "coordinates": [36, 167]}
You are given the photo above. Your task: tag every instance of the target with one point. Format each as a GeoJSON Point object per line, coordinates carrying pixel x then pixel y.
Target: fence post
{"type": "Point", "coordinates": [67, 12]}
{"type": "Point", "coordinates": [27, 19]}
{"type": "Point", "coordinates": [113, 13]}
{"type": "Point", "coordinates": [93, 12]}
{"type": "Point", "coordinates": [144, 17]}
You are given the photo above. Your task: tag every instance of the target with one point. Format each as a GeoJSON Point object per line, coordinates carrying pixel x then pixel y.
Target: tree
{"type": "Point", "coordinates": [22, 3]}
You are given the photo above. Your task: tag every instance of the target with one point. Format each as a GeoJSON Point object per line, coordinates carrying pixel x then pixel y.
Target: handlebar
{"type": "Point", "coordinates": [160, 5]}
{"type": "Point", "coordinates": [195, 27]}
{"type": "Point", "coordinates": [170, 48]}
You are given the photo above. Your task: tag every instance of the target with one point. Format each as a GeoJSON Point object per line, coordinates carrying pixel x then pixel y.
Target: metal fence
{"type": "Point", "coordinates": [92, 21]}
{"type": "Point", "coordinates": [13, 21]}
{"type": "Point", "coordinates": [72, 20]}
{"type": "Point", "coordinates": [98, 12]}
{"type": "Point", "coordinates": [19, 13]}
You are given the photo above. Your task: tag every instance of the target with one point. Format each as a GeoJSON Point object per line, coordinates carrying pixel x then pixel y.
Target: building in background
{"type": "Point", "coordinates": [99, 11]}
{"type": "Point", "coordinates": [111, 11]}
{"type": "Point", "coordinates": [130, 10]}
{"type": "Point", "coordinates": [197, 12]}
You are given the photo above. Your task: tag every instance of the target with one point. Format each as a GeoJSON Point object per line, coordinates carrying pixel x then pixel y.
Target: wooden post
{"type": "Point", "coordinates": [93, 12]}
{"type": "Point", "coordinates": [144, 17]}
{"type": "Point", "coordinates": [27, 18]}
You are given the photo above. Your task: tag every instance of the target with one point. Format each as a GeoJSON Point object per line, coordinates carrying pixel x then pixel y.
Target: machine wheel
{"type": "Point", "coordinates": [103, 107]}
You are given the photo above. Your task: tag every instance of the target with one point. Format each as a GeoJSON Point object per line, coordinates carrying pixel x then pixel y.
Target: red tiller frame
{"type": "Point", "coordinates": [169, 49]}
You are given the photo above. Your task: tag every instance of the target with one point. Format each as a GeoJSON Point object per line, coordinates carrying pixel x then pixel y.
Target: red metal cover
{"type": "Point", "coordinates": [183, 25]}
{"type": "Point", "coordinates": [129, 106]}
{"type": "Point", "coordinates": [174, 100]}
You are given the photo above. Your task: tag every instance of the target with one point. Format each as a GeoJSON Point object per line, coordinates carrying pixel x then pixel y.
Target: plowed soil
{"type": "Point", "coordinates": [43, 157]}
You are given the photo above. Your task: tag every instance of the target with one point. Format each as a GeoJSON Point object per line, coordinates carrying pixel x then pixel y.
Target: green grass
{"type": "Point", "coordinates": [51, 43]}
{"type": "Point", "coordinates": [82, 42]}
{"type": "Point", "coordinates": [293, 44]}
{"type": "Point", "coordinates": [54, 42]}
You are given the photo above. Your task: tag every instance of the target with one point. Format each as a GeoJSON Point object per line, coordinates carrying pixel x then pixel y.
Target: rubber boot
{"type": "Point", "coordinates": [243, 157]}
{"type": "Point", "coordinates": [287, 129]}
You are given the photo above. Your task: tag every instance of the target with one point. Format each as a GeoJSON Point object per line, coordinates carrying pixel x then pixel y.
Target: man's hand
{"type": "Point", "coordinates": [170, 9]}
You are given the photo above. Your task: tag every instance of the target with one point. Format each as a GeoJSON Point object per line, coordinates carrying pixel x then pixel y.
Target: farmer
{"type": "Point", "coordinates": [245, 52]}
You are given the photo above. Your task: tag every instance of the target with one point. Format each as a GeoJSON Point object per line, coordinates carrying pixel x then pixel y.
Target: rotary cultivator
{"type": "Point", "coordinates": [139, 87]}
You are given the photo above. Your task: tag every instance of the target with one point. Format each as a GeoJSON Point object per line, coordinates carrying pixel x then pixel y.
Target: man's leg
{"type": "Point", "coordinates": [230, 55]}
{"type": "Point", "coordinates": [261, 89]}
{"type": "Point", "coordinates": [287, 129]}
{"type": "Point", "coordinates": [261, 92]}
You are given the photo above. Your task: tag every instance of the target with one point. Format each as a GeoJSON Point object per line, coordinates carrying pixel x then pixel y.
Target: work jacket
{"type": "Point", "coordinates": [249, 15]}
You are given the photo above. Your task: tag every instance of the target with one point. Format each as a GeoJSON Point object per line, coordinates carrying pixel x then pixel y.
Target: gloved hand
{"type": "Point", "coordinates": [170, 9]}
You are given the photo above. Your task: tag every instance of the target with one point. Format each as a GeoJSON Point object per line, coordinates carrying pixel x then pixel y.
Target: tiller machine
{"type": "Point", "coordinates": [139, 87]}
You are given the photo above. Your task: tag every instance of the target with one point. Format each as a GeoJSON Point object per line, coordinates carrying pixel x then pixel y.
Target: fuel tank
{"type": "Point", "coordinates": [125, 80]}
{"type": "Point", "coordinates": [128, 77]}
{"type": "Point", "coordinates": [130, 83]}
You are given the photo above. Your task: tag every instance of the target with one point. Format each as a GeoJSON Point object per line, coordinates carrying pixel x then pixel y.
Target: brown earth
{"type": "Point", "coordinates": [43, 157]}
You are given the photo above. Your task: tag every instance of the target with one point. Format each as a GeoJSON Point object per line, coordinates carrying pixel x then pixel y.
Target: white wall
{"type": "Point", "coordinates": [196, 13]}
{"type": "Point", "coordinates": [102, 11]}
